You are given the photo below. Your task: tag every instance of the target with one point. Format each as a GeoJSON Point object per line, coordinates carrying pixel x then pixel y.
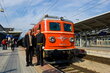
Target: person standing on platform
{"type": "Point", "coordinates": [29, 48]}
{"type": "Point", "coordinates": [33, 43]}
{"type": "Point", "coordinates": [4, 43]}
{"type": "Point", "coordinates": [12, 44]}
{"type": "Point", "coordinates": [40, 41]}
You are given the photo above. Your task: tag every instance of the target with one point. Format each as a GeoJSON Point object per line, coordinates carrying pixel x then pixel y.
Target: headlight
{"type": "Point", "coordinates": [52, 39]}
{"type": "Point", "coordinates": [71, 39]}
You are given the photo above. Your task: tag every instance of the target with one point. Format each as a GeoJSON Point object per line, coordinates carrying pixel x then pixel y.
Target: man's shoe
{"type": "Point", "coordinates": [37, 64]}
{"type": "Point", "coordinates": [27, 65]}
{"type": "Point", "coordinates": [31, 65]}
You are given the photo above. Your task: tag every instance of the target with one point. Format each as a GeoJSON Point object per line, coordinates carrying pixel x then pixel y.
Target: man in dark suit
{"type": "Point", "coordinates": [33, 44]}
{"type": "Point", "coordinates": [40, 41]}
{"type": "Point", "coordinates": [29, 48]}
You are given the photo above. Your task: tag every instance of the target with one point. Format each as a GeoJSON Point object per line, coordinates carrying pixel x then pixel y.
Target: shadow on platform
{"type": "Point", "coordinates": [11, 70]}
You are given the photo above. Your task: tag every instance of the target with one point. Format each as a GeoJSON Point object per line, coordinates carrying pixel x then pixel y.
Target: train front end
{"type": "Point", "coordinates": [60, 38]}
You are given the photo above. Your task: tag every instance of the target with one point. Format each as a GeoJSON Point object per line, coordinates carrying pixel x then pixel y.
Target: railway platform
{"type": "Point", "coordinates": [97, 51]}
{"type": "Point", "coordinates": [14, 62]}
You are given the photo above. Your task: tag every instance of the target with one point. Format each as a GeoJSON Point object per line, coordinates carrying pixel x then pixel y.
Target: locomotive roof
{"type": "Point", "coordinates": [46, 17]}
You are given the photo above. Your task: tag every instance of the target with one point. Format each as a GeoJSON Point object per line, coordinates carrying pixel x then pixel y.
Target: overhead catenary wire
{"type": "Point", "coordinates": [42, 11]}
{"type": "Point", "coordinates": [81, 12]}
{"type": "Point", "coordinates": [4, 13]}
{"type": "Point", "coordinates": [1, 9]}
{"type": "Point", "coordinates": [84, 5]}
{"type": "Point", "coordinates": [27, 7]}
{"type": "Point", "coordinates": [48, 9]}
{"type": "Point", "coordinates": [1, 5]}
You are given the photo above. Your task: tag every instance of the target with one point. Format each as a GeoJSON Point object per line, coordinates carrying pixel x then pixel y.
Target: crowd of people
{"type": "Point", "coordinates": [33, 46]}
{"type": "Point", "coordinates": [8, 43]}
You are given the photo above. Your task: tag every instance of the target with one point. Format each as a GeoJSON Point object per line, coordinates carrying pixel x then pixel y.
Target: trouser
{"type": "Point", "coordinates": [4, 47]}
{"type": "Point", "coordinates": [12, 47]}
{"type": "Point", "coordinates": [34, 51]}
{"type": "Point", "coordinates": [39, 55]}
{"type": "Point", "coordinates": [29, 54]}
{"type": "Point", "coordinates": [38, 58]}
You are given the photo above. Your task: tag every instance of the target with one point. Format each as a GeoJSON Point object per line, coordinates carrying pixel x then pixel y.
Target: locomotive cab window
{"type": "Point", "coordinates": [67, 27]}
{"type": "Point", "coordinates": [54, 26]}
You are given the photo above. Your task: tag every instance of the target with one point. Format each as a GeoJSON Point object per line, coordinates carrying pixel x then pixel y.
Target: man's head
{"type": "Point", "coordinates": [32, 33]}
{"type": "Point", "coordinates": [29, 32]}
{"type": "Point", "coordinates": [39, 29]}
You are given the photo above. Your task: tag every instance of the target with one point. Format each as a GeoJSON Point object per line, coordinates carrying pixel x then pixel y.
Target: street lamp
{"type": "Point", "coordinates": [1, 10]}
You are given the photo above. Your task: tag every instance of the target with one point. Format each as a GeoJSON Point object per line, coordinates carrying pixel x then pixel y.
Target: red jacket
{"type": "Point", "coordinates": [4, 42]}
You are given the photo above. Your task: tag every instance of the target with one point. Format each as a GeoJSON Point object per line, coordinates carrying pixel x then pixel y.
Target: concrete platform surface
{"type": "Point", "coordinates": [47, 68]}
{"type": "Point", "coordinates": [97, 51]}
{"type": "Point", "coordinates": [14, 62]}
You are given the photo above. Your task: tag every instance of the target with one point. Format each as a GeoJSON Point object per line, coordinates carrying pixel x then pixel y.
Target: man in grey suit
{"type": "Point", "coordinates": [29, 48]}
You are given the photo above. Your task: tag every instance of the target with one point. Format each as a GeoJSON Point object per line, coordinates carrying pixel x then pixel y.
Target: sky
{"type": "Point", "coordinates": [21, 14]}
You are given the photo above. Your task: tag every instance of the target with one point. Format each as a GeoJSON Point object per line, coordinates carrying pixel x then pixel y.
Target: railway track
{"type": "Point", "coordinates": [74, 68]}
{"type": "Point", "coordinates": [98, 59]}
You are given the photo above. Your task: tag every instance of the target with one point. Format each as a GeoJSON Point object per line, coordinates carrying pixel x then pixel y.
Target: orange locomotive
{"type": "Point", "coordinates": [59, 34]}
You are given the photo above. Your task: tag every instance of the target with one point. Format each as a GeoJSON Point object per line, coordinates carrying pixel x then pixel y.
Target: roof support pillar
{"type": "Point", "coordinates": [80, 40]}
{"type": "Point", "coordinates": [86, 40]}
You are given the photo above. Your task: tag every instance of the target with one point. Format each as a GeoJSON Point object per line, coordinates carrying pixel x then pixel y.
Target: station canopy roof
{"type": "Point", "coordinates": [95, 23]}
{"type": "Point", "coordinates": [1, 28]}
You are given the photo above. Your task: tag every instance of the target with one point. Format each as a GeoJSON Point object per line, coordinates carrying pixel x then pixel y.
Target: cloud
{"type": "Point", "coordinates": [74, 3]}
{"type": "Point", "coordinates": [22, 23]}
{"type": "Point", "coordinates": [20, 3]}
{"type": "Point", "coordinates": [17, 12]}
{"type": "Point", "coordinates": [10, 3]}
{"type": "Point", "coordinates": [21, 13]}
{"type": "Point", "coordinates": [36, 2]}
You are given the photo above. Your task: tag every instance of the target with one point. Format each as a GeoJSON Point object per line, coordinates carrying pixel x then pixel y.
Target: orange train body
{"type": "Point", "coordinates": [58, 30]}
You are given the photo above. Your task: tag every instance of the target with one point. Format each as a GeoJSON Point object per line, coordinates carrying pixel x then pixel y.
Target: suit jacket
{"type": "Point", "coordinates": [33, 41]}
{"type": "Point", "coordinates": [27, 43]}
{"type": "Point", "coordinates": [40, 38]}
